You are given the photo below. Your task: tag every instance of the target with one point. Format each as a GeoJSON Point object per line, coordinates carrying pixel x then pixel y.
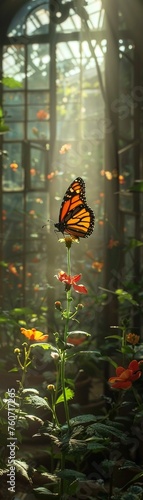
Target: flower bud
{"type": "Point", "coordinates": [55, 355]}
{"type": "Point", "coordinates": [80, 306]}
{"type": "Point", "coordinates": [51, 387]}
{"type": "Point", "coordinates": [58, 305]}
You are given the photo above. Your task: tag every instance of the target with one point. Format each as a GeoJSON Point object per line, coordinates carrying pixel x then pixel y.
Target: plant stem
{"type": "Point", "coordinates": [63, 356]}
{"type": "Point", "coordinates": [22, 382]}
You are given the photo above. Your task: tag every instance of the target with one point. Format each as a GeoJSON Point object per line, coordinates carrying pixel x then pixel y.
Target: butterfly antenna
{"type": "Point", "coordinates": [49, 220]}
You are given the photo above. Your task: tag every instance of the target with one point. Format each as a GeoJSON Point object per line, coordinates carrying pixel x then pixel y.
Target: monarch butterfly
{"type": "Point", "coordinates": [75, 217]}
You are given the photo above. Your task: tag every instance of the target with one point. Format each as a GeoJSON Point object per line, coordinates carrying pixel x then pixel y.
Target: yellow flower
{"type": "Point", "coordinates": [68, 240]}
{"type": "Point", "coordinates": [33, 334]}
{"type": "Point", "coordinates": [132, 338]}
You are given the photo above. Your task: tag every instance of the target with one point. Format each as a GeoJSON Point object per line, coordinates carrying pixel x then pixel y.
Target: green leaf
{"type": "Point", "coordinates": [69, 395]}
{"type": "Point", "coordinates": [133, 243]}
{"type": "Point", "coordinates": [123, 295]}
{"type": "Point", "coordinates": [11, 82]}
{"type": "Point", "coordinates": [104, 430]}
{"type": "Point", "coordinates": [22, 468]}
{"type": "Point", "coordinates": [44, 491]}
{"type": "Point", "coordinates": [15, 369]}
{"type": "Point", "coordinates": [2, 262]}
{"type": "Point", "coordinates": [30, 390]}
{"type": "Point", "coordinates": [110, 360]}
{"type": "Point", "coordinates": [78, 333]}
{"type": "Point", "coordinates": [97, 448]}
{"type": "Point", "coordinates": [128, 464]}
{"type": "Point", "coordinates": [18, 311]}
{"type": "Point", "coordinates": [3, 127]}
{"type": "Point", "coordinates": [3, 319]}
{"type": "Point", "coordinates": [70, 473]}
{"type": "Point", "coordinates": [118, 337]}
{"type": "Point", "coordinates": [127, 349]}
{"type": "Point", "coordinates": [44, 346]}
{"type": "Point", "coordinates": [137, 187]}
{"type": "Point", "coordinates": [37, 401]}
{"type": "Point", "coordinates": [82, 419]}
{"type": "Point", "coordinates": [135, 478]}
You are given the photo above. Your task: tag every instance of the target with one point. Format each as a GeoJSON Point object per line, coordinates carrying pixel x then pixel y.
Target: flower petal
{"type": "Point", "coordinates": [117, 383]}
{"type": "Point", "coordinates": [119, 370]}
{"type": "Point", "coordinates": [79, 288]}
{"type": "Point", "coordinates": [134, 365]}
{"type": "Point", "coordinates": [76, 278]}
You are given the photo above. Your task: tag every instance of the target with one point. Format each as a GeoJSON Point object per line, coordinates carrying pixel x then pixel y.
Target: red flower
{"type": "Point", "coordinates": [125, 377]}
{"type": "Point", "coordinates": [71, 281]}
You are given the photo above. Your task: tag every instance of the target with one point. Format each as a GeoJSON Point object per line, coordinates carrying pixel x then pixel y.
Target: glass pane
{"type": "Point", "coordinates": [37, 214]}
{"type": "Point", "coordinates": [40, 131]}
{"type": "Point", "coordinates": [12, 223]}
{"type": "Point", "coordinates": [38, 21]}
{"type": "Point", "coordinates": [13, 174]}
{"type": "Point", "coordinates": [126, 104]}
{"type": "Point", "coordinates": [91, 11]}
{"type": "Point", "coordinates": [38, 66]}
{"type": "Point", "coordinates": [14, 64]}
{"type": "Point", "coordinates": [38, 99]}
{"type": "Point", "coordinates": [36, 13]}
{"type": "Point", "coordinates": [16, 131]}
{"type": "Point", "coordinates": [79, 99]}
{"type": "Point", "coordinates": [36, 280]}
{"type": "Point", "coordinates": [37, 168]}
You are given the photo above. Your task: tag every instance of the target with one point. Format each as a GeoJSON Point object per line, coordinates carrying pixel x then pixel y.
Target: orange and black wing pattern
{"type": "Point", "coordinates": [75, 217]}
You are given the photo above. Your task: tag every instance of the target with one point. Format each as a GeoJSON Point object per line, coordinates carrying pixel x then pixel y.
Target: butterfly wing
{"type": "Point", "coordinates": [75, 217]}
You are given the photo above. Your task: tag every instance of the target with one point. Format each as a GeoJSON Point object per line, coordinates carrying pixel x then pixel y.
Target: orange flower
{"type": "Point", "coordinates": [13, 270]}
{"type": "Point", "coordinates": [102, 172]}
{"type": "Point", "coordinates": [65, 148]}
{"type": "Point", "coordinates": [4, 215]}
{"type": "Point", "coordinates": [33, 171]}
{"type": "Point", "coordinates": [34, 334]}
{"type": "Point", "coordinates": [42, 115]}
{"type": "Point", "coordinates": [39, 200]}
{"type": "Point", "coordinates": [98, 266]}
{"type": "Point", "coordinates": [31, 212]}
{"type": "Point", "coordinates": [16, 247]}
{"type": "Point", "coordinates": [108, 175]}
{"type": "Point", "coordinates": [112, 243]}
{"type": "Point", "coordinates": [121, 179]}
{"type": "Point", "coordinates": [36, 288]}
{"type": "Point", "coordinates": [132, 338]}
{"type": "Point", "coordinates": [50, 176]}
{"type": "Point", "coordinates": [125, 377]}
{"type": "Point", "coordinates": [14, 166]}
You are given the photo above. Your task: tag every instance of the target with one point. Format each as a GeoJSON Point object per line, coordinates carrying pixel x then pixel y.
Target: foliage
{"type": "Point", "coordinates": [91, 454]}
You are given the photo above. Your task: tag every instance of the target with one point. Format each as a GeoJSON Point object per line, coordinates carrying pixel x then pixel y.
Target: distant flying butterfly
{"type": "Point", "coordinates": [75, 217]}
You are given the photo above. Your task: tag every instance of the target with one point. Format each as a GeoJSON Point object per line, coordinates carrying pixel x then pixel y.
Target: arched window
{"type": "Point", "coordinates": [70, 105]}
{"type": "Point", "coordinates": [54, 105]}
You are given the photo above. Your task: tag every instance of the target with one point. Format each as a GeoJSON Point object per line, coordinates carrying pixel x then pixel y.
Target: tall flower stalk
{"type": "Point", "coordinates": [63, 358]}
{"type": "Point", "coordinates": [69, 281]}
